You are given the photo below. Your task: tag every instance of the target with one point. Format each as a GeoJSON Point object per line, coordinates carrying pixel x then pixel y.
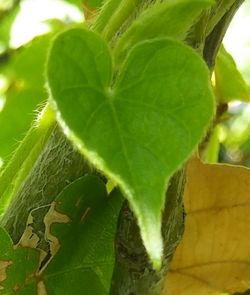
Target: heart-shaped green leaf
{"type": "Point", "coordinates": [138, 127]}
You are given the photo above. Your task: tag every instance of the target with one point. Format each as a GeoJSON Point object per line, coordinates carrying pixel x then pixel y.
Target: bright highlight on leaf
{"type": "Point", "coordinates": [137, 127]}
{"type": "Point", "coordinates": [213, 257]}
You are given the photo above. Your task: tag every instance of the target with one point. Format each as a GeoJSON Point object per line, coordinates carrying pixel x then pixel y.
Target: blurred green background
{"type": "Point", "coordinates": [230, 141]}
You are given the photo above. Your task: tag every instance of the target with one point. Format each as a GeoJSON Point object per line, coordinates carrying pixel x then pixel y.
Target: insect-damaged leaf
{"type": "Point", "coordinates": [80, 228]}
{"type": "Point", "coordinates": [17, 267]}
{"type": "Point", "coordinates": [213, 257]}
{"type": "Point", "coordinates": [141, 129]}
{"type": "Point", "coordinates": [85, 257]}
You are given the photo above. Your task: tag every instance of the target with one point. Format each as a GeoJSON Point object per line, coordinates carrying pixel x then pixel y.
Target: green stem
{"type": "Point", "coordinates": [133, 273]}
{"type": "Point", "coordinates": [116, 13]}
{"type": "Point", "coordinates": [106, 12]}
{"type": "Point", "coordinates": [219, 11]}
{"type": "Point", "coordinates": [217, 32]}
{"type": "Point", "coordinates": [124, 10]}
{"type": "Point", "coordinates": [57, 166]}
{"type": "Point", "coordinates": [28, 150]}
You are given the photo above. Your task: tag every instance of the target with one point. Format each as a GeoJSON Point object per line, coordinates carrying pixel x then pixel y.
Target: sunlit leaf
{"type": "Point", "coordinates": [142, 128]}
{"type": "Point", "coordinates": [213, 257]}
{"type": "Point", "coordinates": [5, 28]}
{"type": "Point", "coordinates": [230, 84]}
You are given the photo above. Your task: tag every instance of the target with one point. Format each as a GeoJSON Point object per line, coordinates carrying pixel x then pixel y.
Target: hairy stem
{"type": "Point", "coordinates": [25, 155]}
{"type": "Point", "coordinates": [133, 273]}
{"type": "Point", "coordinates": [112, 16]}
{"type": "Point", "coordinates": [58, 165]}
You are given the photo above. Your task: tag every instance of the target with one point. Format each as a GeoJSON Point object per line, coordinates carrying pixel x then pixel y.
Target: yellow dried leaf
{"type": "Point", "coordinates": [214, 255]}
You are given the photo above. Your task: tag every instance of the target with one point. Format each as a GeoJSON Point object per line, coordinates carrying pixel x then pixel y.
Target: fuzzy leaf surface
{"type": "Point", "coordinates": [139, 129]}
{"type": "Point", "coordinates": [165, 19]}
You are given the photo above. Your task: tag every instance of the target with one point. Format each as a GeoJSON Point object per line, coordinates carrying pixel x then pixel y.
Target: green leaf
{"type": "Point", "coordinates": [16, 266]}
{"type": "Point", "coordinates": [5, 27]}
{"type": "Point", "coordinates": [230, 85]}
{"type": "Point", "coordinates": [140, 129]}
{"type": "Point", "coordinates": [94, 4]}
{"type": "Point", "coordinates": [80, 227]}
{"type": "Point", "coordinates": [26, 92]}
{"type": "Point", "coordinates": [86, 257]}
{"type": "Point", "coordinates": [166, 19]}
{"type": "Point", "coordinates": [91, 4]}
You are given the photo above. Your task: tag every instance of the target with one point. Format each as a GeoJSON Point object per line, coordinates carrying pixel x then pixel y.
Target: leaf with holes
{"type": "Point", "coordinates": [83, 247]}
{"type": "Point", "coordinates": [138, 127]}
{"type": "Point", "coordinates": [80, 229]}
{"type": "Point", "coordinates": [14, 277]}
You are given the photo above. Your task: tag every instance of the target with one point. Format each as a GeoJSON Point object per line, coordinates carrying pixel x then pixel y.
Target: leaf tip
{"type": "Point", "coordinates": [155, 254]}
{"type": "Point", "coordinates": [152, 239]}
